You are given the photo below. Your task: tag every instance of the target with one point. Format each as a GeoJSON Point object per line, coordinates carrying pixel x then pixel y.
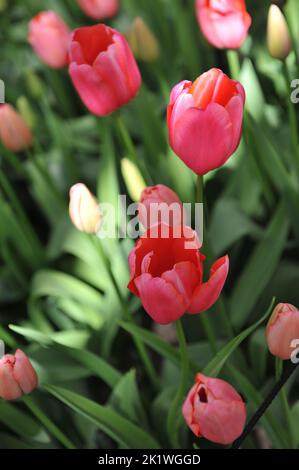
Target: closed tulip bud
{"type": "Point", "coordinates": [103, 69]}
{"type": "Point", "coordinates": [17, 376]}
{"type": "Point", "coordinates": [278, 38]}
{"type": "Point", "coordinates": [214, 410]}
{"type": "Point", "coordinates": [224, 23]}
{"type": "Point", "coordinates": [143, 42]}
{"type": "Point", "coordinates": [84, 209]}
{"type": "Point", "coordinates": [167, 268]}
{"type": "Point", "coordinates": [14, 132]}
{"type": "Point", "coordinates": [49, 36]}
{"type": "Point", "coordinates": [25, 110]}
{"type": "Point", "coordinates": [159, 204]}
{"type": "Point", "coordinates": [205, 120]}
{"type": "Point", "coordinates": [133, 178]}
{"type": "Point", "coordinates": [282, 330]}
{"type": "Point", "coordinates": [99, 9]}
{"type": "Point", "coordinates": [34, 84]}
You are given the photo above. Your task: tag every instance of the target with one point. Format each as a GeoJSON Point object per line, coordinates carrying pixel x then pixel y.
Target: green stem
{"type": "Point", "coordinates": [49, 425]}
{"type": "Point", "coordinates": [142, 351]}
{"type": "Point", "coordinates": [284, 402]}
{"type": "Point", "coordinates": [292, 117]}
{"type": "Point", "coordinates": [174, 415]}
{"type": "Point", "coordinates": [234, 63]}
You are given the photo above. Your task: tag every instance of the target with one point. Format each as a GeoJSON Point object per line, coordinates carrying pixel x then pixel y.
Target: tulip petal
{"type": "Point", "coordinates": [235, 108]}
{"type": "Point", "coordinates": [207, 293]}
{"type": "Point", "coordinates": [160, 299]}
{"type": "Point", "coordinates": [9, 388]}
{"type": "Point", "coordinates": [24, 373]}
{"type": "Point", "coordinates": [184, 277]}
{"type": "Point", "coordinates": [203, 138]}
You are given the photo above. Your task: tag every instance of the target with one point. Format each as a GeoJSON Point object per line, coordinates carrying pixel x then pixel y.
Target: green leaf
{"type": "Point", "coordinates": [259, 269]}
{"type": "Point", "coordinates": [118, 428]}
{"type": "Point", "coordinates": [255, 101]}
{"type": "Point", "coordinates": [216, 364]}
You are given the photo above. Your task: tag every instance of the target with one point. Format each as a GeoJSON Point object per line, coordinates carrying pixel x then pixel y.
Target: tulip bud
{"type": "Point", "coordinates": [49, 36]}
{"type": "Point", "coordinates": [282, 329]}
{"type": "Point", "coordinates": [34, 84]}
{"type": "Point", "coordinates": [159, 204]}
{"type": "Point", "coordinates": [214, 410]}
{"type": "Point", "coordinates": [84, 209]}
{"type": "Point", "coordinates": [278, 38]}
{"type": "Point", "coordinates": [143, 42]}
{"type": "Point", "coordinates": [17, 376]}
{"type": "Point", "coordinates": [25, 110]}
{"type": "Point", "coordinates": [99, 9]}
{"type": "Point", "coordinates": [133, 178]}
{"type": "Point", "coordinates": [14, 132]}
{"type": "Point", "coordinates": [3, 5]}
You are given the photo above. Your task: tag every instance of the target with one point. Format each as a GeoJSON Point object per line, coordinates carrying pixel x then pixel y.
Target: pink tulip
{"type": "Point", "coordinates": [214, 410]}
{"type": "Point", "coordinates": [224, 23]}
{"type": "Point", "coordinates": [103, 69]}
{"type": "Point", "coordinates": [159, 204]}
{"type": "Point", "coordinates": [99, 9]}
{"type": "Point", "coordinates": [167, 274]}
{"type": "Point", "coordinates": [14, 132]}
{"type": "Point", "coordinates": [17, 376]}
{"type": "Point", "coordinates": [49, 36]}
{"type": "Point", "coordinates": [205, 120]}
{"type": "Point", "coordinates": [282, 330]}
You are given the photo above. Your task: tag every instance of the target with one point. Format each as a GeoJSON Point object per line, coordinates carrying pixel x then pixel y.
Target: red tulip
{"type": "Point", "coordinates": [103, 69]}
{"type": "Point", "coordinates": [17, 376]}
{"type": "Point", "coordinates": [282, 330]}
{"type": "Point", "coordinates": [159, 204]}
{"type": "Point", "coordinates": [99, 9]}
{"type": "Point", "coordinates": [214, 410]}
{"type": "Point", "coordinates": [205, 120]}
{"type": "Point", "coordinates": [167, 274]}
{"type": "Point", "coordinates": [224, 23]}
{"type": "Point", "coordinates": [49, 36]}
{"type": "Point", "coordinates": [14, 132]}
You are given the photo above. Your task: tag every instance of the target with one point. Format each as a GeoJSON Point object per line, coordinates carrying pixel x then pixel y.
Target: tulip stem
{"type": "Point", "coordinates": [292, 116]}
{"type": "Point", "coordinates": [234, 63]}
{"type": "Point", "coordinates": [174, 415]}
{"type": "Point", "coordinates": [284, 402]}
{"type": "Point", "coordinates": [286, 374]}
{"type": "Point", "coordinates": [49, 425]}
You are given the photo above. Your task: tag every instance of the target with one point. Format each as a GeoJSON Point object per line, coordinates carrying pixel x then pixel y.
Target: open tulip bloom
{"type": "Point", "coordinates": [167, 270]}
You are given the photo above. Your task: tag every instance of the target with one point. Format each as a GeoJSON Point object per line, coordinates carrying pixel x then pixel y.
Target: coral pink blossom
{"type": "Point", "coordinates": [224, 23]}
{"type": "Point", "coordinates": [103, 69]}
{"type": "Point", "coordinates": [49, 36]}
{"type": "Point", "coordinates": [205, 120]}
{"type": "Point", "coordinates": [283, 330]}
{"type": "Point", "coordinates": [159, 204]}
{"type": "Point", "coordinates": [14, 132]}
{"type": "Point", "coordinates": [166, 269]}
{"type": "Point", "coordinates": [214, 410]}
{"type": "Point", "coordinates": [17, 376]}
{"type": "Point", "coordinates": [99, 9]}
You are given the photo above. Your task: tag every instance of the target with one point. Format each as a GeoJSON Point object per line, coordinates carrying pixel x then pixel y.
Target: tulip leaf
{"type": "Point", "coordinates": [124, 432]}
{"type": "Point", "coordinates": [259, 269]}
{"type": "Point", "coordinates": [217, 363]}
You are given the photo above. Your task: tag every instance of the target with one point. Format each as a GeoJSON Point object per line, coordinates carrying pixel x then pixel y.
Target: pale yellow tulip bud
{"type": "Point", "coordinates": [134, 181]}
{"type": "Point", "coordinates": [26, 112]}
{"type": "Point", "coordinates": [84, 209]}
{"type": "Point", "coordinates": [143, 42]}
{"type": "Point", "coordinates": [279, 39]}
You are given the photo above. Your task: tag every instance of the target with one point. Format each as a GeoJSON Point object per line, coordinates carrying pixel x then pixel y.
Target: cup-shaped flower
{"type": "Point", "coordinates": [103, 69]}
{"type": "Point", "coordinates": [283, 330]}
{"type": "Point", "coordinates": [205, 120]}
{"type": "Point", "coordinates": [17, 376]}
{"type": "Point", "coordinates": [224, 23]}
{"type": "Point", "coordinates": [278, 36]}
{"type": "Point", "coordinates": [214, 410]}
{"type": "Point", "coordinates": [160, 204]}
{"type": "Point", "coordinates": [99, 9]}
{"type": "Point", "coordinates": [84, 209]}
{"type": "Point", "coordinates": [166, 269]}
{"type": "Point", "coordinates": [49, 36]}
{"type": "Point", "coordinates": [14, 131]}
